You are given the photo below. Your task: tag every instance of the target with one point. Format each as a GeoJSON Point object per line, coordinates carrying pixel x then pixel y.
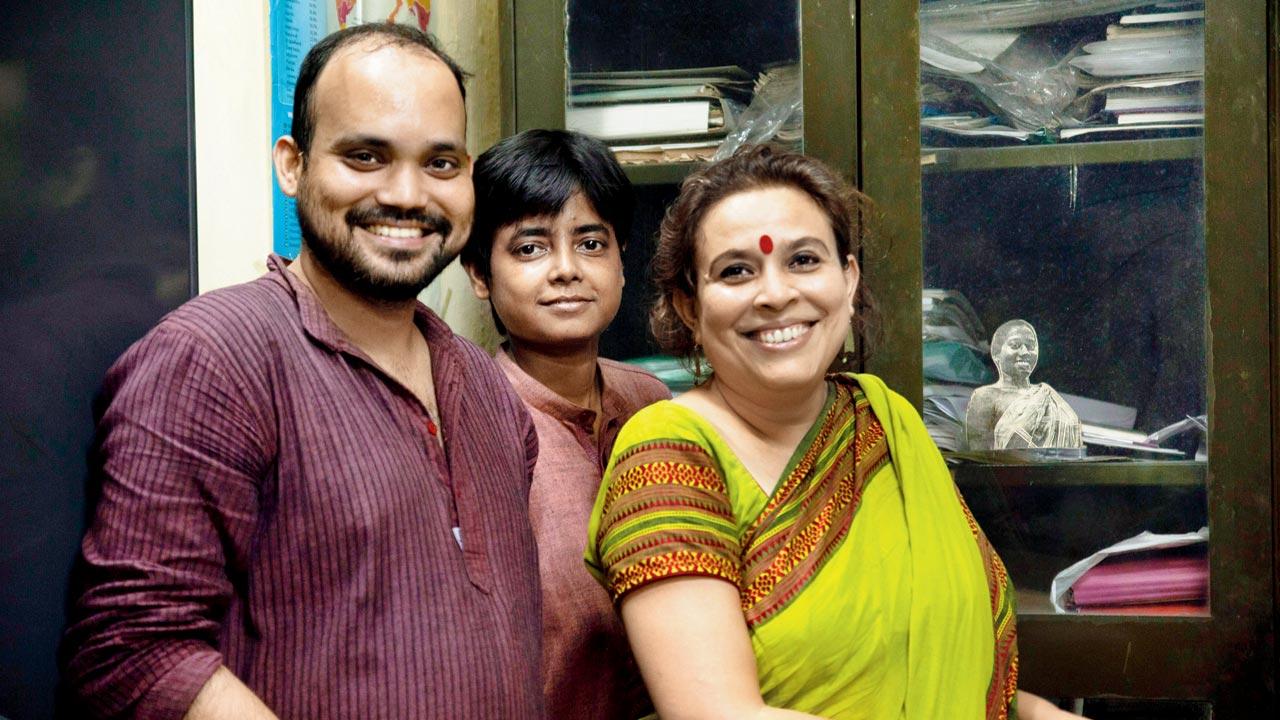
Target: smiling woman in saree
{"type": "Point", "coordinates": [785, 543]}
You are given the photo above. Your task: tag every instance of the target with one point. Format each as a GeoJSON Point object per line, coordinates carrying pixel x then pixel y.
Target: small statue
{"type": "Point", "coordinates": [1014, 413]}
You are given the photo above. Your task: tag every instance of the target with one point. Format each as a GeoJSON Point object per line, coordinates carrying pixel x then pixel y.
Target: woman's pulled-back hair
{"type": "Point", "coordinates": [750, 168]}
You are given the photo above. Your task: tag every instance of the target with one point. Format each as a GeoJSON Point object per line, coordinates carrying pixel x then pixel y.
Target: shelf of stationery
{"type": "Point", "coordinates": [1163, 473]}
{"type": "Point", "coordinates": [971, 159]}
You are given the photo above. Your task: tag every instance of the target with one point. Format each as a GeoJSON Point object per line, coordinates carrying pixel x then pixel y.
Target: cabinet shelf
{"type": "Point", "coordinates": [949, 160]}
{"type": "Point", "coordinates": [1123, 474]}
{"type": "Point", "coordinates": [659, 173]}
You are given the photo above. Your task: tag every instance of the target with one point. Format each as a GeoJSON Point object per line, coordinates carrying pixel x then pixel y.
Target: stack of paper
{"type": "Point", "coordinates": [1104, 426]}
{"type": "Point", "coordinates": [1007, 14]}
{"type": "Point", "coordinates": [955, 360]}
{"type": "Point", "coordinates": [943, 413]}
{"type": "Point", "coordinates": [657, 115]}
{"type": "Point", "coordinates": [947, 315]}
{"type": "Point", "coordinates": [1148, 74]}
{"type": "Point", "coordinates": [1034, 71]}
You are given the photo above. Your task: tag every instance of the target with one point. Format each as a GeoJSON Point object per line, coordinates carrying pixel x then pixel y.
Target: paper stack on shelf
{"type": "Point", "coordinates": [780, 85]}
{"type": "Point", "coordinates": [1012, 14]}
{"type": "Point", "coordinates": [1036, 71]}
{"type": "Point", "coordinates": [1146, 574]}
{"type": "Point", "coordinates": [1148, 74]}
{"type": "Point", "coordinates": [1103, 425]}
{"type": "Point", "coordinates": [947, 315]}
{"type": "Point", "coordinates": [658, 115]}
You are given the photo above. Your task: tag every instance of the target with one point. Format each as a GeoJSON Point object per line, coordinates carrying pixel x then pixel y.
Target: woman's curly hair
{"type": "Point", "coordinates": [750, 168]}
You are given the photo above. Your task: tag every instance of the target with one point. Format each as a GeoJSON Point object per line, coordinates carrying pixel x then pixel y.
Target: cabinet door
{"type": "Point", "coordinates": [1097, 171]}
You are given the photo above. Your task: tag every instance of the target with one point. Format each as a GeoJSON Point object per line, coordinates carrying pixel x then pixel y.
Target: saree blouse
{"type": "Point", "coordinates": [905, 613]}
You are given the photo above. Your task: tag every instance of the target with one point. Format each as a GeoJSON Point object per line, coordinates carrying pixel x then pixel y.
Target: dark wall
{"type": "Point", "coordinates": [95, 238]}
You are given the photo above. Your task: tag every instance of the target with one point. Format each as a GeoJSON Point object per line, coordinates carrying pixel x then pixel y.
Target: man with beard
{"type": "Point", "coordinates": [313, 495]}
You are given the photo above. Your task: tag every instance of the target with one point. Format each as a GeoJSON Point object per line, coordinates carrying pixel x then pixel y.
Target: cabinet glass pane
{"type": "Point", "coordinates": [668, 81]}
{"type": "Point", "coordinates": [1064, 305]}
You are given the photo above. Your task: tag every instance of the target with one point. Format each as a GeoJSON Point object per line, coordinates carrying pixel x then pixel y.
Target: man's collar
{"type": "Point", "coordinates": [320, 326]}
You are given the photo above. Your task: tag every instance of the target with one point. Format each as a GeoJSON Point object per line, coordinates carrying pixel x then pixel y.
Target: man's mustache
{"type": "Point", "coordinates": [430, 222]}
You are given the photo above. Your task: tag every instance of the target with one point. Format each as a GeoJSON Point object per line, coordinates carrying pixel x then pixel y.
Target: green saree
{"type": "Point", "coordinates": [905, 613]}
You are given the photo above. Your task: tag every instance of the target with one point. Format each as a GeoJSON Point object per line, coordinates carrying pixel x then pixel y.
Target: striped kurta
{"type": "Point", "coordinates": [274, 503]}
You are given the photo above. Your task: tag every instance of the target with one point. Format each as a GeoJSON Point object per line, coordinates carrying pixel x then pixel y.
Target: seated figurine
{"type": "Point", "coordinates": [1013, 412]}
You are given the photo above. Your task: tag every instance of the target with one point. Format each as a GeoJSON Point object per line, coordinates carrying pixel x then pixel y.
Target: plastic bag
{"type": "Point", "coordinates": [775, 112]}
{"type": "Point", "coordinates": [1030, 83]}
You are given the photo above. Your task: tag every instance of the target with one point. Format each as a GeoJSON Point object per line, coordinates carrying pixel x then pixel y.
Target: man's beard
{"type": "Point", "coordinates": [341, 256]}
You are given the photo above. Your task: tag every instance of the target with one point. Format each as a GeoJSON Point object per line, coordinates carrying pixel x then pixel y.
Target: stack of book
{"type": "Point", "coordinates": [654, 116]}
{"type": "Point", "coordinates": [1034, 71]}
{"type": "Point", "coordinates": [1148, 74]}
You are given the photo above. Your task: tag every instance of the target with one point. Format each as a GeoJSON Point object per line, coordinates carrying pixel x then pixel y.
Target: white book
{"type": "Point", "coordinates": [1181, 59]}
{"type": "Point", "coordinates": [1151, 102]}
{"type": "Point", "coordinates": [663, 93]}
{"type": "Point", "coordinates": [641, 120]}
{"type": "Point", "coordinates": [1147, 118]}
{"type": "Point", "coordinates": [1068, 133]}
{"type": "Point", "coordinates": [1192, 43]}
{"type": "Point", "coordinates": [1164, 17]}
{"type": "Point", "coordinates": [1116, 32]}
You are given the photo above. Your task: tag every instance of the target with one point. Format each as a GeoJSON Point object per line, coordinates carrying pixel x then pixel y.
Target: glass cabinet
{"type": "Point", "coordinates": [1063, 307]}
{"type": "Point", "coordinates": [1096, 169]}
{"type": "Point", "coordinates": [1081, 167]}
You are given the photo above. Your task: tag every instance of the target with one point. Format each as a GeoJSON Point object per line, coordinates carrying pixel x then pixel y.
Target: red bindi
{"type": "Point", "coordinates": [766, 244]}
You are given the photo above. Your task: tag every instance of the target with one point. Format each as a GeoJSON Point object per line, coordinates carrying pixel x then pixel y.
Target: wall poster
{"type": "Point", "coordinates": [296, 25]}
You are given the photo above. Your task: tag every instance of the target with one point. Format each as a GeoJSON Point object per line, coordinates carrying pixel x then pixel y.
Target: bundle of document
{"type": "Point", "coordinates": [1148, 74]}
{"type": "Point", "coordinates": [652, 116]}
{"type": "Point", "coordinates": [1054, 70]}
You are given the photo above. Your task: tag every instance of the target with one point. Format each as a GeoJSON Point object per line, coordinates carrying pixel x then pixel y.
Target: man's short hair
{"type": "Point", "coordinates": [535, 173]}
{"type": "Point", "coordinates": [387, 34]}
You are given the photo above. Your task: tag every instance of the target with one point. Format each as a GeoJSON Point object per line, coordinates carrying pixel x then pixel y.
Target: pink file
{"type": "Point", "coordinates": [1147, 580]}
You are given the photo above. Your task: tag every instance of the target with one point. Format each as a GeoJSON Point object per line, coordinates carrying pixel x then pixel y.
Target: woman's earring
{"type": "Point", "coordinates": [697, 362]}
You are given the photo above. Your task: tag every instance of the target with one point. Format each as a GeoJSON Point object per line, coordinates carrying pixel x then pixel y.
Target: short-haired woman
{"type": "Point", "coordinates": [553, 210]}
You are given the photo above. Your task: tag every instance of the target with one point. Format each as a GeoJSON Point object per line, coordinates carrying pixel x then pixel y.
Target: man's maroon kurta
{"type": "Point", "coordinates": [273, 502]}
